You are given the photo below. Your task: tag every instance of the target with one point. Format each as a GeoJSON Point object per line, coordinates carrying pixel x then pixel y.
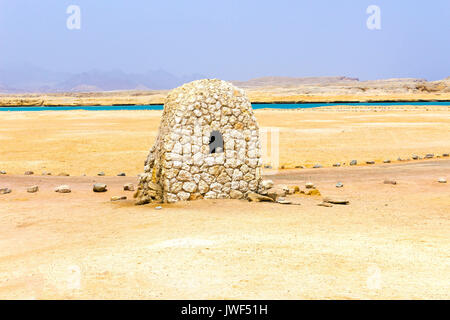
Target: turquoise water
{"type": "Point", "coordinates": [255, 106]}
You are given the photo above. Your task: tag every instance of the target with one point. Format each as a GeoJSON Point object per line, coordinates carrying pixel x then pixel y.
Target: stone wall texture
{"type": "Point", "coordinates": [180, 165]}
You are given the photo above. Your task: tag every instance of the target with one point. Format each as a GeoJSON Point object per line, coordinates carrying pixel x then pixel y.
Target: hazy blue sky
{"type": "Point", "coordinates": [231, 39]}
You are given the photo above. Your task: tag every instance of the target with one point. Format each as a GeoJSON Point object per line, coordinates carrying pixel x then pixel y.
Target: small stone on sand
{"type": "Point", "coordinates": [317, 166]}
{"type": "Point", "coordinates": [2, 172]}
{"type": "Point", "coordinates": [28, 173]}
{"type": "Point", "coordinates": [309, 185]}
{"type": "Point", "coordinates": [122, 174]}
{"type": "Point", "coordinates": [339, 185]}
{"type": "Point", "coordinates": [63, 189]}
{"type": "Point", "coordinates": [101, 174]}
{"type": "Point", "coordinates": [353, 163]}
{"type": "Point", "coordinates": [387, 161]}
{"type": "Point", "coordinates": [5, 190]}
{"type": "Point", "coordinates": [336, 201]}
{"type": "Point", "coordinates": [389, 181]}
{"type": "Point", "coordinates": [32, 189]}
{"type": "Point", "coordinates": [128, 187]}
{"type": "Point", "coordinates": [370, 162]}
{"type": "Point", "coordinates": [312, 192]}
{"type": "Point", "coordinates": [324, 204]}
{"type": "Point", "coordinates": [118, 198]}
{"type": "Point", "coordinates": [337, 165]}
{"type": "Point", "coordinates": [442, 180]}
{"type": "Point", "coordinates": [100, 187]}
{"type": "Point", "coordinates": [63, 174]}
{"type": "Point", "coordinates": [415, 157]}
{"type": "Point", "coordinates": [429, 156]}
{"type": "Point", "coordinates": [158, 208]}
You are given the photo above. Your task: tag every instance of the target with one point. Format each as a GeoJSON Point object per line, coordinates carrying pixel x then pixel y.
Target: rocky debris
{"type": "Point", "coordinates": [312, 192]}
{"type": "Point", "coordinates": [415, 157]}
{"type": "Point", "coordinates": [101, 174]}
{"type": "Point", "coordinates": [317, 166]}
{"type": "Point", "coordinates": [128, 187]}
{"type": "Point", "coordinates": [33, 189]}
{"type": "Point", "coordinates": [63, 174]}
{"type": "Point", "coordinates": [2, 172]}
{"type": "Point", "coordinates": [390, 181]}
{"type": "Point", "coordinates": [100, 187]}
{"type": "Point", "coordinates": [339, 185]}
{"type": "Point", "coordinates": [255, 197]}
{"type": "Point", "coordinates": [370, 162]}
{"type": "Point", "coordinates": [266, 184]}
{"type": "Point", "coordinates": [325, 204]}
{"type": "Point", "coordinates": [337, 164]}
{"type": "Point", "coordinates": [28, 173]}
{"type": "Point", "coordinates": [5, 190]}
{"type": "Point", "coordinates": [118, 198]}
{"type": "Point", "coordinates": [336, 201]}
{"type": "Point", "coordinates": [272, 195]}
{"type": "Point", "coordinates": [63, 189]}
{"type": "Point", "coordinates": [310, 185]}
{"type": "Point", "coordinates": [442, 180]}
{"type": "Point", "coordinates": [387, 161]}
{"type": "Point", "coordinates": [121, 174]}
{"type": "Point", "coordinates": [353, 163]}
{"type": "Point", "coordinates": [186, 164]}
{"type": "Point", "coordinates": [429, 156]}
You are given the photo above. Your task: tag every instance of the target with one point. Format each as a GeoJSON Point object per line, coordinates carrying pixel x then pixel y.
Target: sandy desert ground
{"type": "Point", "coordinates": [391, 241]}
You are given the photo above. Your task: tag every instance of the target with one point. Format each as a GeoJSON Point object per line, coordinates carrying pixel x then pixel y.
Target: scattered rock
{"type": "Point", "coordinates": [28, 173]}
{"type": "Point", "coordinates": [339, 185]}
{"type": "Point", "coordinates": [325, 204]}
{"type": "Point", "coordinates": [272, 195]}
{"type": "Point", "coordinates": [101, 174]}
{"type": "Point", "coordinates": [317, 166]}
{"type": "Point", "coordinates": [2, 172]}
{"type": "Point", "coordinates": [310, 185]}
{"type": "Point", "coordinates": [283, 201]}
{"type": "Point", "coordinates": [337, 164]}
{"type": "Point", "coordinates": [387, 161]}
{"type": "Point", "coordinates": [118, 198]}
{"type": "Point", "coordinates": [128, 187]}
{"type": "Point", "coordinates": [252, 196]}
{"type": "Point", "coordinates": [389, 181]}
{"type": "Point", "coordinates": [33, 189]}
{"type": "Point", "coordinates": [63, 189]}
{"type": "Point", "coordinates": [299, 167]}
{"type": "Point", "coordinates": [370, 162]}
{"type": "Point", "coordinates": [64, 174]}
{"type": "Point", "coordinates": [429, 156]}
{"type": "Point", "coordinates": [353, 163]}
{"type": "Point", "coordinates": [415, 157]}
{"type": "Point", "coordinates": [336, 201]}
{"type": "Point", "coordinates": [100, 187]}
{"type": "Point", "coordinates": [442, 180]}
{"type": "Point", "coordinates": [267, 184]}
{"type": "Point", "coordinates": [121, 174]}
{"type": "Point", "coordinates": [445, 154]}
{"type": "Point", "coordinates": [5, 190]}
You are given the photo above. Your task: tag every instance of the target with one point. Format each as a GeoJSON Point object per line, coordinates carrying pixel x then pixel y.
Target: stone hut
{"type": "Point", "coordinates": [207, 147]}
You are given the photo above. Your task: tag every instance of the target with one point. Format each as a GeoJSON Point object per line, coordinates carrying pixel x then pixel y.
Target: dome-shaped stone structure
{"type": "Point", "coordinates": [207, 147]}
